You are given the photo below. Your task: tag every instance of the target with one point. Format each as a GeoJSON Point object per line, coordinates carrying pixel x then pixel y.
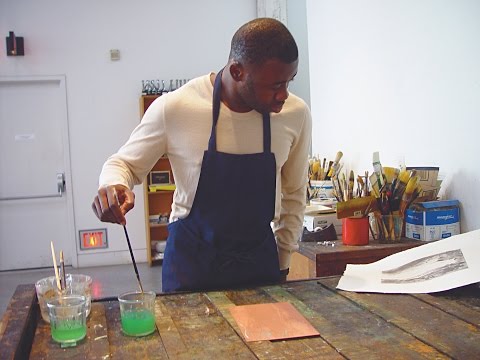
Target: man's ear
{"type": "Point", "coordinates": [236, 71]}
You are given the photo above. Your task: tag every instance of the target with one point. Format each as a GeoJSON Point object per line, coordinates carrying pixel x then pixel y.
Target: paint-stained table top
{"type": "Point", "coordinates": [199, 326]}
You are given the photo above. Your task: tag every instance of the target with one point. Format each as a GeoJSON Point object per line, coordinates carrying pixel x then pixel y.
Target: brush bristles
{"type": "Point", "coordinates": [390, 173]}
{"type": "Point", "coordinates": [339, 156]}
{"type": "Point", "coordinates": [403, 176]}
{"type": "Point", "coordinates": [411, 185]}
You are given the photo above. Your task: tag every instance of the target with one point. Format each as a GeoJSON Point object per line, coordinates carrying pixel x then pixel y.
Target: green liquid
{"type": "Point", "coordinates": [138, 323]}
{"type": "Point", "coordinates": [68, 332]}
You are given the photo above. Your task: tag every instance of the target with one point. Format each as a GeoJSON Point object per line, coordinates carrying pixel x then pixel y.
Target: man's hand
{"type": "Point", "coordinates": [112, 203]}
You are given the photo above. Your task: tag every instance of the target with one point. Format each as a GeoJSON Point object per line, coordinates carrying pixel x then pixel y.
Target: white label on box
{"type": "Point", "coordinates": [431, 232]}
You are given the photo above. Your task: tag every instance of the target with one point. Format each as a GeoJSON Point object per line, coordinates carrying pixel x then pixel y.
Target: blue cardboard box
{"type": "Point", "coordinates": [433, 220]}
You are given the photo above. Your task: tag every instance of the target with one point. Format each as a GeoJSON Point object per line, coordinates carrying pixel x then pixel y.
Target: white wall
{"type": "Point", "coordinates": [297, 24]}
{"type": "Point", "coordinates": [402, 78]}
{"type": "Point", "coordinates": [157, 39]}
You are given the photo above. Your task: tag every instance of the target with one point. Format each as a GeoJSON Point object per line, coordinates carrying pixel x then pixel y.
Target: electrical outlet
{"type": "Point", "coordinates": [114, 54]}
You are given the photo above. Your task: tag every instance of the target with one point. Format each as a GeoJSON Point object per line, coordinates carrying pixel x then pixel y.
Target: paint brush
{"type": "Point", "coordinates": [62, 271]}
{"type": "Point", "coordinates": [401, 183]}
{"type": "Point", "coordinates": [360, 186]}
{"type": "Point", "coordinates": [133, 259]}
{"type": "Point", "coordinates": [345, 187]}
{"type": "Point", "coordinates": [351, 183]}
{"type": "Point", "coordinates": [374, 185]}
{"type": "Point", "coordinates": [316, 170]}
{"type": "Point", "coordinates": [337, 189]}
{"type": "Point", "coordinates": [377, 168]}
{"type": "Point", "coordinates": [327, 176]}
{"type": "Point", "coordinates": [310, 169]}
{"type": "Point", "coordinates": [321, 174]}
{"type": "Point", "coordinates": [407, 196]}
{"type": "Point", "coordinates": [390, 174]}
{"type": "Point", "coordinates": [334, 169]}
{"type": "Point", "coordinates": [130, 247]}
{"type": "Point", "coordinates": [390, 226]}
{"type": "Point", "coordinates": [366, 192]}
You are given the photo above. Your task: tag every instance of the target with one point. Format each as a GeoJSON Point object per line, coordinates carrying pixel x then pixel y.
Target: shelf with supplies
{"type": "Point", "coordinates": [158, 225]}
{"type": "Point", "coordinates": [159, 187]}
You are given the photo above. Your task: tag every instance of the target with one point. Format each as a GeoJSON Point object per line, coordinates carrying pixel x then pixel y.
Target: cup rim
{"type": "Point", "coordinates": [56, 301]}
{"type": "Point", "coordinates": [122, 299]}
{"type": "Point", "coordinates": [52, 278]}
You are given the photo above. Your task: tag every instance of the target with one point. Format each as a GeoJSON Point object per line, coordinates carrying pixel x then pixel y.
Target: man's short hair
{"type": "Point", "coordinates": [263, 39]}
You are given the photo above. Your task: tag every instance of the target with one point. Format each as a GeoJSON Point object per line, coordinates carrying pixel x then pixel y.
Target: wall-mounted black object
{"type": "Point", "coordinates": [14, 45]}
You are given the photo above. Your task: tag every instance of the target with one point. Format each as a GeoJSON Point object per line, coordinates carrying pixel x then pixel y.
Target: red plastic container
{"type": "Point", "coordinates": [355, 231]}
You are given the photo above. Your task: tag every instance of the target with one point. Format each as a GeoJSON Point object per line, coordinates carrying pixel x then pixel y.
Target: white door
{"type": "Point", "coordinates": [35, 206]}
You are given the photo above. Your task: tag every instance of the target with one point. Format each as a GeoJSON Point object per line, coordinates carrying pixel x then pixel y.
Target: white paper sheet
{"type": "Point", "coordinates": [437, 266]}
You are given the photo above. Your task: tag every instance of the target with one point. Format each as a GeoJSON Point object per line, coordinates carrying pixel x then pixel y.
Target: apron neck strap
{"type": "Point", "coordinates": [217, 92]}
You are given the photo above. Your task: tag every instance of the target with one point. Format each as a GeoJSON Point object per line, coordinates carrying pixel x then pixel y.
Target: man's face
{"type": "Point", "coordinates": [265, 87]}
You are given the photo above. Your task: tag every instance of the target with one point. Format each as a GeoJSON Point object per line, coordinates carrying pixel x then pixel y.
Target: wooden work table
{"type": "Point", "coordinates": [199, 326]}
{"type": "Point", "coordinates": [314, 259]}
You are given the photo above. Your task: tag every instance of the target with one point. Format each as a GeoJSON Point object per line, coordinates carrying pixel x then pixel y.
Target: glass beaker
{"type": "Point", "coordinates": [76, 284]}
{"type": "Point", "coordinates": [68, 319]}
{"type": "Point", "coordinates": [389, 228]}
{"type": "Point", "coordinates": [137, 313]}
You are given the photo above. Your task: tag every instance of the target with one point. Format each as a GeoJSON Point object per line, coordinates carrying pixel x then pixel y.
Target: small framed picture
{"type": "Point", "coordinates": [159, 177]}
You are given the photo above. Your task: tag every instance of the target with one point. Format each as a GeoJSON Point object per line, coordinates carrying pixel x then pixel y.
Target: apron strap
{"type": "Point", "coordinates": [217, 92]}
{"type": "Point", "coordinates": [267, 139]}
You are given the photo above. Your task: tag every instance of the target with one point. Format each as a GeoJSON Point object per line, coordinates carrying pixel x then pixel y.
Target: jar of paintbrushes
{"type": "Point", "coordinates": [383, 196]}
{"type": "Point", "coordinates": [394, 190]}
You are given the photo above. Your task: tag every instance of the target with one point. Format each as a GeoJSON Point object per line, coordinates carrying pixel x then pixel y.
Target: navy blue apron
{"type": "Point", "coordinates": [226, 240]}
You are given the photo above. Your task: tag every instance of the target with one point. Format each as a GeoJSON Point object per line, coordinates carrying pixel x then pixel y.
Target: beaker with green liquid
{"type": "Point", "coordinates": [67, 316]}
{"type": "Point", "coordinates": [137, 313]}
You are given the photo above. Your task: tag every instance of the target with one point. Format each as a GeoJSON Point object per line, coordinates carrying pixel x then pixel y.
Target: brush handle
{"type": "Point", "coordinates": [57, 277]}
{"type": "Point", "coordinates": [62, 269]}
{"type": "Point", "coordinates": [133, 258]}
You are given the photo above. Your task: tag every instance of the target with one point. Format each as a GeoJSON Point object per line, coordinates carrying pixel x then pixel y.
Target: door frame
{"type": "Point", "coordinates": [71, 240]}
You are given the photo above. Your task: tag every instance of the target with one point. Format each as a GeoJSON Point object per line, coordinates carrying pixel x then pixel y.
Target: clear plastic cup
{"type": "Point", "coordinates": [389, 228]}
{"type": "Point", "coordinates": [67, 316]}
{"type": "Point", "coordinates": [76, 284]}
{"type": "Point", "coordinates": [137, 313]}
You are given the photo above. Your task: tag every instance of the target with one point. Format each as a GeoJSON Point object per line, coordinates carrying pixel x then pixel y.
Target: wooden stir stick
{"type": "Point", "coordinates": [57, 277]}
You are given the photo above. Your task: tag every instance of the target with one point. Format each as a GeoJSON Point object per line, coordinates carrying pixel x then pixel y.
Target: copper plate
{"type": "Point", "coordinates": [271, 322]}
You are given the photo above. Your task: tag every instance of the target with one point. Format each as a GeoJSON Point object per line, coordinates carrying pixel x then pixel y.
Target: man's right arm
{"type": "Point", "coordinates": [130, 165]}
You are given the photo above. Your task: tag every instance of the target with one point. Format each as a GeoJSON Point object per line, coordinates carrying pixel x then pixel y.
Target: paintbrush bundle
{"type": "Point", "coordinates": [353, 202]}
{"type": "Point", "coordinates": [344, 186]}
{"type": "Point", "coordinates": [319, 169]}
{"type": "Point", "coordinates": [394, 190]}
{"type": "Point", "coordinates": [386, 193]}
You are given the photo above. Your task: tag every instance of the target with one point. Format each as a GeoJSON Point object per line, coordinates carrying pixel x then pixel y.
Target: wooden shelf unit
{"type": "Point", "coordinates": [158, 202]}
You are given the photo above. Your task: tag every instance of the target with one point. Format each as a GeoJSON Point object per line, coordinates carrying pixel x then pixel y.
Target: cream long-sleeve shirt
{"type": "Point", "coordinates": [178, 124]}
